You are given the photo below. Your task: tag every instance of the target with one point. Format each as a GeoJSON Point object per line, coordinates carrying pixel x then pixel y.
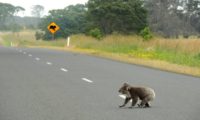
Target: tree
{"type": "Point", "coordinates": [193, 7]}
{"type": "Point", "coordinates": [7, 11]}
{"type": "Point", "coordinates": [18, 9]}
{"type": "Point", "coordinates": [123, 16]}
{"type": "Point", "coordinates": [168, 17]}
{"type": "Point", "coordinates": [37, 11]}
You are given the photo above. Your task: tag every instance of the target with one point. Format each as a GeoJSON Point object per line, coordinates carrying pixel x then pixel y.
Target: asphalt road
{"type": "Point", "coordinates": [42, 84]}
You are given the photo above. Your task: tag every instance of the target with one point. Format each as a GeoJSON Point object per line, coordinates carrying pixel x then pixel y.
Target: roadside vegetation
{"type": "Point", "coordinates": [173, 50]}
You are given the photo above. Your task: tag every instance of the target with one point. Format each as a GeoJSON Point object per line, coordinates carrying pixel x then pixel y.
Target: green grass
{"type": "Point", "coordinates": [6, 43]}
{"type": "Point", "coordinates": [177, 58]}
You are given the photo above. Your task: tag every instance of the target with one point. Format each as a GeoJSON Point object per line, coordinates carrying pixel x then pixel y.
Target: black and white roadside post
{"type": "Point", "coordinates": [68, 41]}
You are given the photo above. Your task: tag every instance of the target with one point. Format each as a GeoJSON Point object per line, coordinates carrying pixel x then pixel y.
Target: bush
{"type": "Point", "coordinates": [96, 33]}
{"type": "Point", "coordinates": [146, 34]}
{"type": "Point", "coordinates": [39, 35]}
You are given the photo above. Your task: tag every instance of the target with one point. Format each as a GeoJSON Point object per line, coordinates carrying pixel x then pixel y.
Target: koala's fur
{"type": "Point", "coordinates": [145, 94]}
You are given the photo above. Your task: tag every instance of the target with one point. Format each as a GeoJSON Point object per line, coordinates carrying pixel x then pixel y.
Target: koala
{"type": "Point", "coordinates": [145, 94]}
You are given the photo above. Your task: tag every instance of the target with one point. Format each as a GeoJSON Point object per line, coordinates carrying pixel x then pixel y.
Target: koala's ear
{"type": "Point", "coordinates": [125, 84]}
{"type": "Point", "coordinates": [128, 88]}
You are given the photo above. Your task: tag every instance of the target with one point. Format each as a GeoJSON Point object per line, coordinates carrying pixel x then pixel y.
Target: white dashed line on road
{"type": "Point", "coordinates": [49, 63]}
{"type": "Point", "coordinates": [37, 59]}
{"type": "Point", "coordinates": [63, 69]}
{"type": "Point", "coordinates": [24, 52]}
{"type": "Point", "coordinates": [87, 80]}
{"type": "Point", "coordinates": [30, 55]}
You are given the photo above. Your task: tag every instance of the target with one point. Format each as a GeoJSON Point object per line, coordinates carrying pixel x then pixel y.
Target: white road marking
{"type": "Point", "coordinates": [87, 80]}
{"type": "Point", "coordinates": [63, 69]}
{"type": "Point", "coordinates": [30, 55]}
{"type": "Point", "coordinates": [49, 63]}
{"type": "Point", "coordinates": [24, 52]}
{"type": "Point", "coordinates": [37, 59]}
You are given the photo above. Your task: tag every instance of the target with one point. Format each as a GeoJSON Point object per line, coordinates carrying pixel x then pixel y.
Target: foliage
{"type": "Point", "coordinates": [117, 15]}
{"type": "Point", "coordinates": [96, 33]}
{"type": "Point", "coordinates": [146, 34]}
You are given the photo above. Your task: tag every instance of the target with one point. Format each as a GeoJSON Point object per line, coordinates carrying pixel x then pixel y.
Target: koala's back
{"type": "Point", "coordinates": [142, 92]}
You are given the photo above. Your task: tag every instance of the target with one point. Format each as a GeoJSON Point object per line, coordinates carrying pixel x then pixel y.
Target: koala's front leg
{"type": "Point", "coordinates": [126, 101]}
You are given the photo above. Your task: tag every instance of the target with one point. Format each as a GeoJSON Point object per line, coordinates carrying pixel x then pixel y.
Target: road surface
{"type": "Point", "coordinates": [42, 84]}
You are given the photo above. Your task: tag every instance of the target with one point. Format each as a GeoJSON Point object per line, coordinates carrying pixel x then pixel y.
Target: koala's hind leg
{"type": "Point", "coordinates": [144, 103]}
{"type": "Point", "coordinates": [147, 104]}
{"type": "Point", "coordinates": [134, 101]}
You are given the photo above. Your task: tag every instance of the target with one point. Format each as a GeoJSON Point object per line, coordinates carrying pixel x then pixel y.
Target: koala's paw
{"type": "Point", "coordinates": [121, 106]}
{"type": "Point", "coordinates": [130, 107]}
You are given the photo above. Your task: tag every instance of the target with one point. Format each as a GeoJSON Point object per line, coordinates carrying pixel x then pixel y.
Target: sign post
{"type": "Point", "coordinates": [53, 28]}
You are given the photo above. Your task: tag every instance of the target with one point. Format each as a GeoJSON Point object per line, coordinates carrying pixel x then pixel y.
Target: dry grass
{"type": "Point", "coordinates": [179, 45]}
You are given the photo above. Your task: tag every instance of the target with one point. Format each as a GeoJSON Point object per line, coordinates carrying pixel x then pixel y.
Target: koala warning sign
{"type": "Point", "coordinates": [53, 27]}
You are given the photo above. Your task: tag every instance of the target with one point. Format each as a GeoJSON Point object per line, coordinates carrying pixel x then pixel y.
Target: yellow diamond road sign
{"type": "Point", "coordinates": [53, 27]}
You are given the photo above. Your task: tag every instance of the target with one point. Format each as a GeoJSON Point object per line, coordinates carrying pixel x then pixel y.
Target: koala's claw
{"type": "Point", "coordinates": [121, 106]}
